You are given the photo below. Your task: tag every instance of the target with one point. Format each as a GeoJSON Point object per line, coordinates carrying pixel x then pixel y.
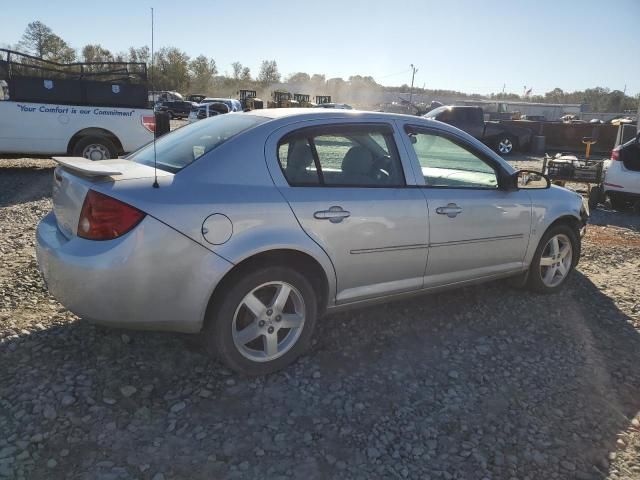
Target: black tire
{"type": "Point", "coordinates": [595, 196]}
{"type": "Point", "coordinates": [617, 202]}
{"type": "Point", "coordinates": [100, 143]}
{"type": "Point", "coordinates": [171, 115]}
{"type": "Point", "coordinates": [509, 142]}
{"type": "Point", "coordinates": [535, 280]}
{"type": "Point", "coordinates": [218, 336]}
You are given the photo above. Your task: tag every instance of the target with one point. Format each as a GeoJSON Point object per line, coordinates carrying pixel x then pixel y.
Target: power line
{"type": "Point", "coordinates": [394, 74]}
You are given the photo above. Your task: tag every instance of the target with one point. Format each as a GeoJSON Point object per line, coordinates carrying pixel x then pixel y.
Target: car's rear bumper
{"type": "Point", "coordinates": [152, 278]}
{"type": "Point", "coordinates": [621, 180]}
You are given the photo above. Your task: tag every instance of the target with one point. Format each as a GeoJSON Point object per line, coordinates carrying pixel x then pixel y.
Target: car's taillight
{"type": "Point", "coordinates": [149, 122]}
{"type": "Point", "coordinates": [615, 153]}
{"type": "Point", "coordinates": [105, 218]}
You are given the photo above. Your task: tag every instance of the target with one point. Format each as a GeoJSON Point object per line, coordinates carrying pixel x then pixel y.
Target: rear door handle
{"type": "Point", "coordinates": [451, 210]}
{"type": "Point", "coordinates": [335, 214]}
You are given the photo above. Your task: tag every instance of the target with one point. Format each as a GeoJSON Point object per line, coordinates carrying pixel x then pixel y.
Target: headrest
{"type": "Point", "coordinates": [300, 156]}
{"type": "Point", "coordinates": [358, 160]}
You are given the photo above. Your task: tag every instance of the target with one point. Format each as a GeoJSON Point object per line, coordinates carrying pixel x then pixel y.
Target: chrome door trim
{"type": "Point", "coordinates": [477, 240]}
{"type": "Point", "coordinates": [389, 249]}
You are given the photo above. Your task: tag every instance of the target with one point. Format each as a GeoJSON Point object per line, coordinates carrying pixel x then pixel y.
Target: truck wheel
{"type": "Point", "coordinates": [595, 196]}
{"type": "Point", "coordinates": [95, 148]}
{"type": "Point", "coordinates": [617, 202]}
{"type": "Point", "coordinates": [506, 144]}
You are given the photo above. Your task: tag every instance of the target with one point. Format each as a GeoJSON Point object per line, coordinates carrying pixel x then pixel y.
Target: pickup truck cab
{"type": "Point", "coordinates": [504, 139]}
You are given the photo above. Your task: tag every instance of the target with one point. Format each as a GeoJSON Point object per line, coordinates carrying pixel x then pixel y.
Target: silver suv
{"type": "Point", "coordinates": [262, 222]}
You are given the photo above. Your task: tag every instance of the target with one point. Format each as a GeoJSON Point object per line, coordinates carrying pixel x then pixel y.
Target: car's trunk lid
{"type": "Point", "coordinates": [73, 178]}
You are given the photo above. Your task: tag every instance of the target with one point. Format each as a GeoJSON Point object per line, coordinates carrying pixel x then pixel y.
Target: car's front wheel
{"type": "Point", "coordinates": [554, 260]}
{"type": "Point", "coordinates": [263, 321]}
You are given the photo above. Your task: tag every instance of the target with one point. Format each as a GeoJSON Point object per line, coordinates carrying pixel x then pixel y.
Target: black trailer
{"type": "Point", "coordinates": [114, 84]}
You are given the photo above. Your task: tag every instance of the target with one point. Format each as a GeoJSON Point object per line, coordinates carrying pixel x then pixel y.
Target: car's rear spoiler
{"type": "Point", "coordinates": [91, 168]}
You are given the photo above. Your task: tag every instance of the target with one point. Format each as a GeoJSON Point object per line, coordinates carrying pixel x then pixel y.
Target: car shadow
{"type": "Point", "coordinates": [24, 184]}
{"type": "Point", "coordinates": [485, 380]}
{"type": "Point", "coordinates": [608, 217]}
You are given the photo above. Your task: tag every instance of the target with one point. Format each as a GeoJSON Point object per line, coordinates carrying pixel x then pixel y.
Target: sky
{"type": "Point", "coordinates": [473, 46]}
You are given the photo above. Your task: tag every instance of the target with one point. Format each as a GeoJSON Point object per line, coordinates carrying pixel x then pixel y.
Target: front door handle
{"type": "Point", "coordinates": [335, 214]}
{"type": "Point", "coordinates": [451, 210]}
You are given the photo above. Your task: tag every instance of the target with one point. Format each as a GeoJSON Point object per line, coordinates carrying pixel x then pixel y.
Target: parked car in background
{"type": "Point", "coordinates": [206, 110]}
{"type": "Point", "coordinates": [164, 95]}
{"type": "Point", "coordinates": [504, 139]}
{"type": "Point", "coordinates": [196, 97]}
{"type": "Point", "coordinates": [339, 106]}
{"type": "Point", "coordinates": [621, 182]}
{"type": "Point", "coordinates": [233, 104]}
{"type": "Point", "coordinates": [175, 108]}
{"type": "Point", "coordinates": [263, 222]}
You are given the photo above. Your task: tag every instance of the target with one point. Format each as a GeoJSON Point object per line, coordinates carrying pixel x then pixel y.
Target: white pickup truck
{"type": "Point", "coordinates": [96, 133]}
{"type": "Point", "coordinates": [96, 110]}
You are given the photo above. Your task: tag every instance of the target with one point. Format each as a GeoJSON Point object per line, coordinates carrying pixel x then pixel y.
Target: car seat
{"type": "Point", "coordinates": [299, 159]}
{"type": "Point", "coordinates": [357, 167]}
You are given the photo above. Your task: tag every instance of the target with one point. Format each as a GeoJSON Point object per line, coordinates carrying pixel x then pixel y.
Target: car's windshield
{"type": "Point", "coordinates": [181, 147]}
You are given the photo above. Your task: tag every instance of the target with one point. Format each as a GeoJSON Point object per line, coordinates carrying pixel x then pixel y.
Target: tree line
{"type": "Point", "coordinates": [174, 69]}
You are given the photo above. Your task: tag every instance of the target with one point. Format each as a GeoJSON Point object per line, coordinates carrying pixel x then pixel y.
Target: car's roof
{"type": "Point", "coordinates": [312, 113]}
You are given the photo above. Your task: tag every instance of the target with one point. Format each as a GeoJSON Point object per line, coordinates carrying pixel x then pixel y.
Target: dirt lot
{"type": "Point", "coordinates": [486, 382]}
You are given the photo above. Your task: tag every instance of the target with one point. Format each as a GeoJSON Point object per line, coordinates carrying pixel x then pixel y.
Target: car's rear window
{"type": "Point", "coordinates": [181, 147]}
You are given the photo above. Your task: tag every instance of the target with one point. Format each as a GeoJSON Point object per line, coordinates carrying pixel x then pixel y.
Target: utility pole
{"type": "Point", "coordinates": [413, 75]}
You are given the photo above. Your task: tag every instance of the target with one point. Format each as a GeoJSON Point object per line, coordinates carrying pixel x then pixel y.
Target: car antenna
{"type": "Point", "coordinates": [155, 159]}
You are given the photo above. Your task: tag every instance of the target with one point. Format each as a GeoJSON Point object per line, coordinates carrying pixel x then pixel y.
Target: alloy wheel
{"type": "Point", "coordinates": [268, 322]}
{"type": "Point", "coordinates": [505, 146]}
{"type": "Point", "coordinates": [556, 259]}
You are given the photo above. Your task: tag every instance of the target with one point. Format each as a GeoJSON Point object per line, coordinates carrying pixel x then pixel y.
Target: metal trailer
{"type": "Point", "coordinates": [568, 168]}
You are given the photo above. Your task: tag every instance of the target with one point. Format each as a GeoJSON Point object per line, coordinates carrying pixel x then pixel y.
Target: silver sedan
{"type": "Point", "coordinates": [248, 227]}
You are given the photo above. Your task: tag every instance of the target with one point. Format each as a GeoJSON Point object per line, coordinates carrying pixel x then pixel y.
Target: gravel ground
{"type": "Point", "coordinates": [484, 382]}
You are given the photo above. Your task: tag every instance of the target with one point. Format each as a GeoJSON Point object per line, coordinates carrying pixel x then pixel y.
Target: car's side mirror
{"type": "Point", "coordinates": [531, 179]}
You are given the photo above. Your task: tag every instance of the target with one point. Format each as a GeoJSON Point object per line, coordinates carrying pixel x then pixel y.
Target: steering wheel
{"type": "Point", "coordinates": [380, 169]}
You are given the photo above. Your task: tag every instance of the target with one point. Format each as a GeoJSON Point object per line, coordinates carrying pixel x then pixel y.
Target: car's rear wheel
{"type": "Point", "coordinates": [95, 148]}
{"type": "Point", "coordinates": [506, 144]}
{"type": "Point", "coordinates": [263, 321]}
{"type": "Point", "coordinates": [554, 260]}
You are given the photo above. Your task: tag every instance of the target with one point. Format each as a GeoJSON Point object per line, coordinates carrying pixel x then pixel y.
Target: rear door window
{"type": "Point", "coordinates": [358, 156]}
